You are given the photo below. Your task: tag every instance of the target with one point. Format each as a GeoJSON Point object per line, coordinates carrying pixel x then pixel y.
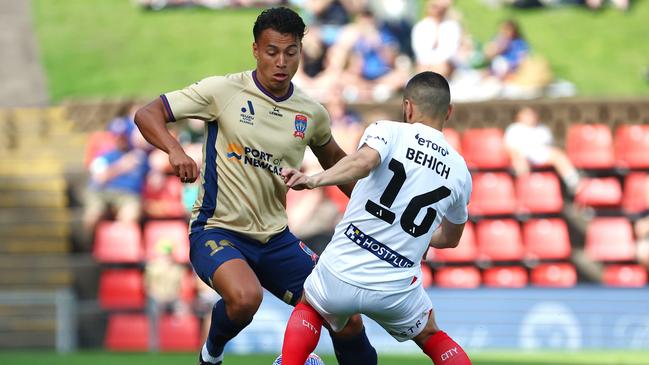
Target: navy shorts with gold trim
{"type": "Point", "coordinates": [281, 265]}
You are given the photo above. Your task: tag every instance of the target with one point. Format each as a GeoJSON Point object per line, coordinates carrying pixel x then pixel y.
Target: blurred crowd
{"type": "Point", "coordinates": [367, 49]}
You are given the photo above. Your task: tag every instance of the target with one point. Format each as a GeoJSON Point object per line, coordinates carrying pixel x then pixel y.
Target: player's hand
{"type": "Point", "coordinates": [184, 166]}
{"type": "Point", "coordinates": [296, 180]}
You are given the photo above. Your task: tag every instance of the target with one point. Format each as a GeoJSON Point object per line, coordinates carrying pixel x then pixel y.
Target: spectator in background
{"type": "Point", "coordinates": [507, 50]}
{"type": "Point", "coordinates": [117, 177]}
{"type": "Point", "coordinates": [163, 279]}
{"type": "Point", "coordinates": [436, 39]}
{"type": "Point", "coordinates": [330, 16]}
{"type": "Point", "coordinates": [397, 17]}
{"type": "Point", "coordinates": [530, 143]}
{"type": "Point", "coordinates": [368, 59]}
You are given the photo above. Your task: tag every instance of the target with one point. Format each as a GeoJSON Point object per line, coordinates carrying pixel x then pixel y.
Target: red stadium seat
{"type": "Point", "coordinates": [121, 289]}
{"type": "Point", "coordinates": [505, 277]}
{"type": "Point", "coordinates": [499, 240]}
{"type": "Point", "coordinates": [610, 239]}
{"type": "Point", "coordinates": [458, 277]}
{"type": "Point", "coordinates": [453, 138]}
{"type": "Point", "coordinates": [625, 275]}
{"type": "Point", "coordinates": [167, 232]}
{"type": "Point", "coordinates": [426, 275]}
{"type": "Point", "coordinates": [546, 239]}
{"type": "Point", "coordinates": [539, 193]}
{"type": "Point", "coordinates": [466, 250]}
{"type": "Point", "coordinates": [127, 332]}
{"type": "Point", "coordinates": [599, 192]}
{"type": "Point", "coordinates": [636, 192]}
{"type": "Point", "coordinates": [118, 242]}
{"type": "Point", "coordinates": [632, 146]}
{"type": "Point", "coordinates": [165, 200]}
{"type": "Point", "coordinates": [493, 194]}
{"type": "Point", "coordinates": [179, 333]}
{"type": "Point", "coordinates": [558, 275]}
{"type": "Point", "coordinates": [484, 148]}
{"type": "Point", "coordinates": [590, 146]}
{"type": "Point", "coordinates": [98, 143]}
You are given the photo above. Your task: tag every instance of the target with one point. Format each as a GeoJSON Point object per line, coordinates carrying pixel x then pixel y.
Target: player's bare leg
{"type": "Point", "coordinates": [442, 349]}
{"type": "Point", "coordinates": [241, 294]}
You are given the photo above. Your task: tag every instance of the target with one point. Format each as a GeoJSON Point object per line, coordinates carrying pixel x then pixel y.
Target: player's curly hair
{"type": "Point", "coordinates": [281, 19]}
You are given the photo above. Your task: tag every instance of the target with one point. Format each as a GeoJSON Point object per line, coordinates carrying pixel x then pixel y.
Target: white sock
{"type": "Point", "coordinates": [208, 357]}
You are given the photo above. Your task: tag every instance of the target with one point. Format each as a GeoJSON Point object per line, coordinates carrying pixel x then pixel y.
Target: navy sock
{"type": "Point", "coordinates": [222, 329]}
{"type": "Point", "coordinates": [355, 351]}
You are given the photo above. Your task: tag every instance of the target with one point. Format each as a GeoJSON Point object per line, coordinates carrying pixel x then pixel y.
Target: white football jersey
{"type": "Point", "coordinates": [393, 212]}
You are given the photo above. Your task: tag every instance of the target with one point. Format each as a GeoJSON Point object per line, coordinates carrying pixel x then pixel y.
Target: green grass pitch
{"type": "Point", "coordinates": [480, 358]}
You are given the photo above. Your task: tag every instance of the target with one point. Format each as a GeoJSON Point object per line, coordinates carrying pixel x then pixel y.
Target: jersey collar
{"type": "Point", "coordinates": [267, 93]}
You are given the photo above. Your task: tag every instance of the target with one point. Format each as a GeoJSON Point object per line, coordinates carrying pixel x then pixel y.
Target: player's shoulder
{"type": "Point", "coordinates": [308, 103]}
{"type": "Point", "coordinates": [221, 82]}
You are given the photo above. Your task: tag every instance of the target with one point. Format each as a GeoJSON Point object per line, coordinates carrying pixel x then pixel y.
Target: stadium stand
{"type": "Point", "coordinates": [458, 277]}
{"type": "Point", "coordinates": [121, 289]}
{"type": "Point", "coordinates": [499, 240]}
{"type": "Point", "coordinates": [631, 146]}
{"type": "Point", "coordinates": [505, 277]}
{"type": "Point", "coordinates": [465, 252]}
{"type": "Point", "coordinates": [546, 239]}
{"type": "Point", "coordinates": [634, 199]}
{"type": "Point", "coordinates": [525, 242]}
{"type": "Point", "coordinates": [39, 148]}
{"type": "Point", "coordinates": [539, 193]}
{"type": "Point", "coordinates": [118, 242]}
{"type": "Point", "coordinates": [625, 276]}
{"type": "Point", "coordinates": [483, 148]}
{"type": "Point", "coordinates": [610, 239]}
{"type": "Point", "coordinates": [179, 333]}
{"type": "Point", "coordinates": [172, 231]}
{"type": "Point", "coordinates": [493, 194]}
{"type": "Point", "coordinates": [590, 146]}
{"type": "Point", "coordinates": [127, 332]}
{"type": "Point", "coordinates": [557, 275]}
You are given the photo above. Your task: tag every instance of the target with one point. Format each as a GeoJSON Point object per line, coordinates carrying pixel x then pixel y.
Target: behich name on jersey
{"type": "Point", "coordinates": [429, 161]}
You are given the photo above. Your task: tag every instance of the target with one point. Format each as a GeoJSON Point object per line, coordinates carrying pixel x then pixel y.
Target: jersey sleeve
{"type": "Point", "coordinates": [377, 137]}
{"type": "Point", "coordinates": [458, 213]}
{"type": "Point", "coordinates": [199, 100]}
{"type": "Point", "coordinates": [322, 132]}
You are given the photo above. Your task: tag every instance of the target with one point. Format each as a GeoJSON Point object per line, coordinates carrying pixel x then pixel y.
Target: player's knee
{"type": "Point", "coordinates": [353, 327]}
{"type": "Point", "coordinates": [243, 305]}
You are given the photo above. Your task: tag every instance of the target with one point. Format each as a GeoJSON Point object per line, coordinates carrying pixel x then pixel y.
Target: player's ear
{"type": "Point", "coordinates": [255, 50]}
{"type": "Point", "coordinates": [449, 112]}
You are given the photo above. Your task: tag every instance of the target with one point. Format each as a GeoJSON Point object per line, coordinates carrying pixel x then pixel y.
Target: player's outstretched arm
{"type": "Point", "coordinates": [328, 155]}
{"type": "Point", "coordinates": [447, 235]}
{"type": "Point", "coordinates": [349, 169]}
{"type": "Point", "coordinates": [152, 122]}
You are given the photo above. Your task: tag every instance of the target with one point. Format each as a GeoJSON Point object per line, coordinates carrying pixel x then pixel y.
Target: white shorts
{"type": "Point", "coordinates": [402, 313]}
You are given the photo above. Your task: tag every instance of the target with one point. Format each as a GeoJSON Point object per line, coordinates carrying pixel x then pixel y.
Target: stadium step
{"type": "Point", "coordinates": [35, 278]}
{"type": "Point", "coordinates": [22, 246]}
{"type": "Point", "coordinates": [32, 230]}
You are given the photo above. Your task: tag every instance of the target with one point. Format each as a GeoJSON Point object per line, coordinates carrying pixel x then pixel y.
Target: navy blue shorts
{"type": "Point", "coordinates": [281, 265]}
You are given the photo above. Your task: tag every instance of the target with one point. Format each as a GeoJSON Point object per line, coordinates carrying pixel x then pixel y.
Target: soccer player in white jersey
{"type": "Point", "coordinates": [257, 123]}
{"type": "Point", "coordinates": [413, 193]}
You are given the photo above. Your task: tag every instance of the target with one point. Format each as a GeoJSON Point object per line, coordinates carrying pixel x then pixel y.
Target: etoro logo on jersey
{"type": "Point", "coordinates": [254, 157]}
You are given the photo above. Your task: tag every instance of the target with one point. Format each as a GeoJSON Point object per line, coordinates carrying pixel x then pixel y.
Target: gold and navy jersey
{"type": "Point", "coordinates": [250, 136]}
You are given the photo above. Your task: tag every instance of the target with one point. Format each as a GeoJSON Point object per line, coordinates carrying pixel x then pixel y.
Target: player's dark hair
{"type": "Point", "coordinates": [280, 19]}
{"type": "Point", "coordinates": [430, 92]}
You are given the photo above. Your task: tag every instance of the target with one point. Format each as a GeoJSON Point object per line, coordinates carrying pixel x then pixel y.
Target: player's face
{"type": "Point", "coordinates": [278, 57]}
